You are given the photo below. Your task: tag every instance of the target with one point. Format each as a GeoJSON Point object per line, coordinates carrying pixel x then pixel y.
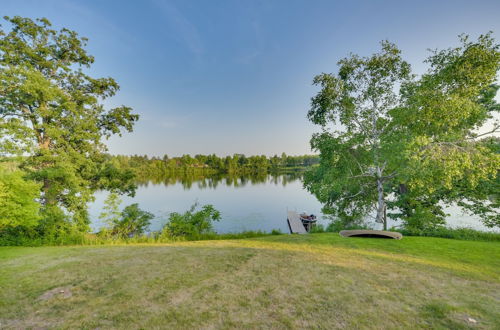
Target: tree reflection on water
{"type": "Point", "coordinates": [212, 181]}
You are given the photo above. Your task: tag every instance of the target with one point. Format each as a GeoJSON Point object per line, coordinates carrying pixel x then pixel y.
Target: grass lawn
{"type": "Point", "coordinates": [307, 281]}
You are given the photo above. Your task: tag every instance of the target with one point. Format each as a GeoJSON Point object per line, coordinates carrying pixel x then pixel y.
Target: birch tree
{"type": "Point", "coordinates": [420, 140]}
{"type": "Point", "coordinates": [352, 109]}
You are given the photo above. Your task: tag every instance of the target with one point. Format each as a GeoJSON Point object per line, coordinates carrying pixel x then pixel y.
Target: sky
{"type": "Point", "coordinates": [229, 77]}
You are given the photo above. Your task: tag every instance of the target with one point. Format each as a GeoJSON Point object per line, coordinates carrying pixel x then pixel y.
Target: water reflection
{"type": "Point", "coordinates": [212, 181]}
{"type": "Point", "coordinates": [246, 202]}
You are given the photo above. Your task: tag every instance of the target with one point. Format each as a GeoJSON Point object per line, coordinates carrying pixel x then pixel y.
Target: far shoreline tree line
{"type": "Point", "coordinates": [144, 166]}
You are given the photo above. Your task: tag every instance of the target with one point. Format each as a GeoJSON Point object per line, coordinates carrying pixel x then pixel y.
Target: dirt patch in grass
{"type": "Point", "coordinates": [60, 292]}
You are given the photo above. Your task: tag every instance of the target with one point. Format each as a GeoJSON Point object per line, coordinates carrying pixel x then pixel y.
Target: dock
{"type": "Point", "coordinates": [295, 224]}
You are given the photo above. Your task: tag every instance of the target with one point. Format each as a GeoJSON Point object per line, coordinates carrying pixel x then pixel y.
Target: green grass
{"type": "Point", "coordinates": [284, 281]}
{"type": "Point", "coordinates": [96, 239]}
{"type": "Point", "coordinates": [456, 233]}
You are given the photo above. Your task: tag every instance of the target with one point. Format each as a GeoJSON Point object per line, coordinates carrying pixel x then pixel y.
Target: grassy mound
{"type": "Point", "coordinates": [286, 281]}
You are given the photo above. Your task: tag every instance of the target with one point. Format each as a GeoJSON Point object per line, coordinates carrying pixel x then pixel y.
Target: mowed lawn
{"type": "Point", "coordinates": [309, 281]}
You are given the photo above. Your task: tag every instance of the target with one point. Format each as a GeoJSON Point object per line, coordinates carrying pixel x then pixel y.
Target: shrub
{"type": "Point", "coordinates": [191, 224]}
{"type": "Point", "coordinates": [337, 225]}
{"type": "Point", "coordinates": [133, 222]}
{"type": "Point", "coordinates": [18, 206]}
{"type": "Point", "coordinates": [318, 228]}
{"type": "Point", "coordinates": [425, 219]}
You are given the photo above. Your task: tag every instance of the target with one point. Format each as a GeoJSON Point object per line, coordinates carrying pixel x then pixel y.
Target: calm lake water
{"type": "Point", "coordinates": [246, 202]}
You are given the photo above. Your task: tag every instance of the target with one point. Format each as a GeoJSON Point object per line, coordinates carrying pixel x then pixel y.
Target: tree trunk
{"type": "Point", "coordinates": [44, 144]}
{"type": "Point", "coordinates": [381, 203]}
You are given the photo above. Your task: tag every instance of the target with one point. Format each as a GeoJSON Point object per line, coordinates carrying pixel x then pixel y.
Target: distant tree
{"type": "Point", "coordinates": [283, 159]}
{"type": "Point", "coordinates": [241, 159]}
{"type": "Point", "coordinates": [51, 111]}
{"type": "Point", "coordinates": [274, 161]}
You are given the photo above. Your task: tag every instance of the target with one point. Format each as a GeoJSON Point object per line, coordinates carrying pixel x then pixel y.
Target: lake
{"type": "Point", "coordinates": [245, 202]}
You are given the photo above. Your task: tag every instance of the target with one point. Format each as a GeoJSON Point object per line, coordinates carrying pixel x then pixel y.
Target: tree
{"type": "Point", "coordinates": [18, 206]}
{"type": "Point", "coordinates": [110, 214]}
{"type": "Point", "coordinates": [446, 160]}
{"type": "Point", "coordinates": [133, 222]}
{"type": "Point", "coordinates": [355, 168]}
{"type": "Point", "coordinates": [414, 140]}
{"type": "Point", "coordinates": [51, 111]}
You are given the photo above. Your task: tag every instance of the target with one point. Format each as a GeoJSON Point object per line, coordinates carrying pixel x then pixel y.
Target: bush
{"type": "Point", "coordinates": [425, 219]}
{"type": "Point", "coordinates": [337, 225]}
{"type": "Point", "coordinates": [133, 222]}
{"type": "Point", "coordinates": [191, 224]}
{"type": "Point", "coordinates": [318, 228]}
{"type": "Point", "coordinates": [22, 236]}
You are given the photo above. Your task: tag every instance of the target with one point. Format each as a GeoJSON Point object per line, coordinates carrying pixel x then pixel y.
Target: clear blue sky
{"type": "Point", "coordinates": [234, 76]}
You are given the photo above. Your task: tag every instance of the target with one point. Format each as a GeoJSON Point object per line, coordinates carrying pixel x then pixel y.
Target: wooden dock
{"type": "Point", "coordinates": [295, 224]}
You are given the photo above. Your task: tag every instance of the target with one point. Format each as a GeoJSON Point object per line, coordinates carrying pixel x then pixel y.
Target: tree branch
{"type": "Point", "coordinates": [495, 129]}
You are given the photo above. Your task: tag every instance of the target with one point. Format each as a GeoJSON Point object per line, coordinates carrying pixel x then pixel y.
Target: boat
{"type": "Point", "coordinates": [371, 233]}
{"type": "Point", "coordinates": [308, 220]}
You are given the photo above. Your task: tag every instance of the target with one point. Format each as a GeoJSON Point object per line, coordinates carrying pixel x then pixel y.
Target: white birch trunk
{"type": "Point", "coordinates": [380, 202]}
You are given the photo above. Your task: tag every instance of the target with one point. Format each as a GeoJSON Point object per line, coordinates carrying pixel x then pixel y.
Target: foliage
{"type": "Point", "coordinates": [111, 210]}
{"type": "Point", "coordinates": [52, 112]}
{"type": "Point", "coordinates": [18, 205]}
{"type": "Point", "coordinates": [423, 217]}
{"type": "Point", "coordinates": [133, 222]}
{"type": "Point", "coordinates": [318, 228]}
{"type": "Point", "coordinates": [355, 168]}
{"type": "Point", "coordinates": [440, 231]}
{"type": "Point", "coordinates": [444, 159]}
{"type": "Point", "coordinates": [210, 236]}
{"type": "Point", "coordinates": [483, 199]}
{"type": "Point", "coordinates": [192, 223]}
{"type": "Point", "coordinates": [411, 144]}
{"type": "Point", "coordinates": [15, 238]}
{"type": "Point", "coordinates": [145, 167]}
{"type": "Point", "coordinates": [339, 224]}
{"type": "Point", "coordinates": [207, 180]}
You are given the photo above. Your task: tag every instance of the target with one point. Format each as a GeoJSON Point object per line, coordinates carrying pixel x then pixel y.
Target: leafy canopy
{"type": "Point", "coordinates": [446, 159]}
{"type": "Point", "coordinates": [52, 112]}
{"type": "Point", "coordinates": [355, 144]}
{"type": "Point", "coordinates": [390, 138]}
